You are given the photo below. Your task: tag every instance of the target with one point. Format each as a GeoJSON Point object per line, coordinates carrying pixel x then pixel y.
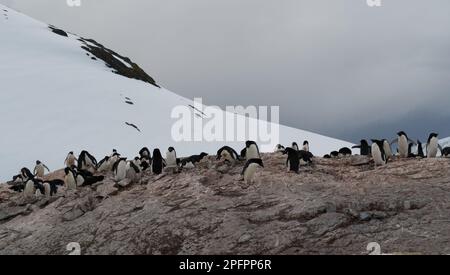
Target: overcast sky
{"type": "Point", "coordinates": [336, 67]}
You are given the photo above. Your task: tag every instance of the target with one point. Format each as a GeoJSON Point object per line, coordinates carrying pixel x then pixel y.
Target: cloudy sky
{"type": "Point", "coordinates": [336, 67]}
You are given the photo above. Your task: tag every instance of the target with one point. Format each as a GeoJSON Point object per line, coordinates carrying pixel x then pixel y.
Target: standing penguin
{"type": "Point", "coordinates": [306, 146]}
{"type": "Point", "coordinates": [26, 174]}
{"type": "Point", "coordinates": [133, 171]}
{"type": "Point", "coordinates": [420, 152]}
{"type": "Point", "coordinates": [120, 169]}
{"type": "Point", "coordinates": [250, 169]}
{"type": "Point", "coordinates": [433, 145]}
{"type": "Point", "coordinates": [70, 179]}
{"type": "Point", "coordinates": [378, 152]}
{"type": "Point", "coordinates": [87, 162]}
{"type": "Point", "coordinates": [403, 143]}
{"type": "Point", "coordinates": [364, 147]}
{"type": "Point", "coordinates": [71, 160]}
{"type": "Point", "coordinates": [51, 187]}
{"type": "Point", "coordinates": [295, 146]}
{"type": "Point", "coordinates": [34, 187]}
{"type": "Point", "coordinates": [104, 165]}
{"type": "Point", "coordinates": [227, 153]}
{"type": "Point", "coordinates": [157, 162]}
{"type": "Point", "coordinates": [387, 149]}
{"type": "Point", "coordinates": [145, 153]}
{"type": "Point", "coordinates": [251, 150]}
{"type": "Point", "coordinates": [293, 160]}
{"type": "Point", "coordinates": [39, 169]}
{"type": "Point", "coordinates": [171, 157]}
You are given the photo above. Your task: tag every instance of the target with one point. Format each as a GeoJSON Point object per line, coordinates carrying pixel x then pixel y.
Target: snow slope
{"type": "Point", "coordinates": [56, 98]}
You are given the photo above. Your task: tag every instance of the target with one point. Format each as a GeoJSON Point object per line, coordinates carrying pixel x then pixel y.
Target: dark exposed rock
{"type": "Point", "coordinates": [59, 31]}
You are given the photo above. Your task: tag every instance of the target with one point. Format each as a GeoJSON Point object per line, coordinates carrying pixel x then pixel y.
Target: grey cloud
{"type": "Point", "coordinates": [335, 67]}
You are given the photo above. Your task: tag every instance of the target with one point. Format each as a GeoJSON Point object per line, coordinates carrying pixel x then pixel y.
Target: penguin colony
{"type": "Point", "coordinates": [87, 171]}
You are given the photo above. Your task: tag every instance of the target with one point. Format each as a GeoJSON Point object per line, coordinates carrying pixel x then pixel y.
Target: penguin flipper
{"type": "Point", "coordinates": [440, 148]}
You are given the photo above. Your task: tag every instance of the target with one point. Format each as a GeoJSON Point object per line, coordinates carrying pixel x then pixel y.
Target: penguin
{"type": "Point", "coordinates": [306, 146]}
{"type": "Point", "coordinates": [378, 152]}
{"type": "Point", "coordinates": [51, 187]}
{"type": "Point", "coordinates": [279, 149]}
{"type": "Point", "coordinates": [295, 146]}
{"type": "Point", "coordinates": [33, 187]}
{"type": "Point", "coordinates": [410, 152]}
{"type": "Point", "coordinates": [446, 152]}
{"type": "Point", "coordinates": [433, 145]}
{"type": "Point", "coordinates": [252, 150]}
{"type": "Point", "coordinates": [104, 165]}
{"type": "Point", "coordinates": [158, 162]}
{"type": "Point", "coordinates": [345, 152]}
{"type": "Point", "coordinates": [243, 153]}
{"type": "Point", "coordinates": [305, 157]}
{"type": "Point", "coordinates": [86, 178]}
{"type": "Point", "coordinates": [250, 169]}
{"type": "Point", "coordinates": [293, 160]}
{"type": "Point", "coordinates": [133, 172]}
{"type": "Point", "coordinates": [364, 147]}
{"type": "Point", "coordinates": [326, 156]}
{"type": "Point", "coordinates": [17, 179]}
{"type": "Point", "coordinates": [87, 162]}
{"type": "Point", "coordinates": [171, 157]}
{"type": "Point", "coordinates": [387, 149]}
{"type": "Point", "coordinates": [403, 143]}
{"type": "Point", "coordinates": [71, 160]}
{"type": "Point", "coordinates": [70, 179]}
{"type": "Point", "coordinates": [26, 174]}
{"type": "Point", "coordinates": [227, 154]}
{"type": "Point", "coordinates": [192, 160]}
{"type": "Point", "coordinates": [17, 186]}
{"type": "Point", "coordinates": [145, 153]}
{"type": "Point", "coordinates": [145, 164]}
{"type": "Point", "coordinates": [39, 169]}
{"type": "Point", "coordinates": [120, 169]}
{"type": "Point", "coordinates": [420, 153]}
{"type": "Point", "coordinates": [334, 154]}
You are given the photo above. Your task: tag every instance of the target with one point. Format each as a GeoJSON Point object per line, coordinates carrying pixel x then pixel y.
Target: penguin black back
{"type": "Point", "coordinates": [420, 152]}
{"type": "Point", "coordinates": [293, 160]}
{"type": "Point", "coordinates": [157, 163]}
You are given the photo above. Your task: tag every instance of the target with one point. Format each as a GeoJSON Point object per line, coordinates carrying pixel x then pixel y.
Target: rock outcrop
{"type": "Point", "coordinates": [331, 207]}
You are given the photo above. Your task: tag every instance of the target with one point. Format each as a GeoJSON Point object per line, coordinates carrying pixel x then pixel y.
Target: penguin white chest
{"type": "Point", "coordinates": [403, 146]}
{"type": "Point", "coordinates": [249, 173]}
{"type": "Point", "coordinates": [171, 159]}
{"type": "Point", "coordinates": [29, 190]}
{"type": "Point", "coordinates": [377, 155]}
{"type": "Point", "coordinates": [432, 148]}
{"type": "Point", "coordinates": [121, 172]}
{"type": "Point", "coordinates": [226, 156]}
{"type": "Point", "coordinates": [70, 181]}
{"type": "Point", "coordinates": [70, 161]}
{"type": "Point", "coordinates": [306, 147]}
{"type": "Point", "coordinates": [40, 171]}
{"type": "Point", "coordinates": [387, 149]}
{"type": "Point", "coordinates": [252, 152]}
